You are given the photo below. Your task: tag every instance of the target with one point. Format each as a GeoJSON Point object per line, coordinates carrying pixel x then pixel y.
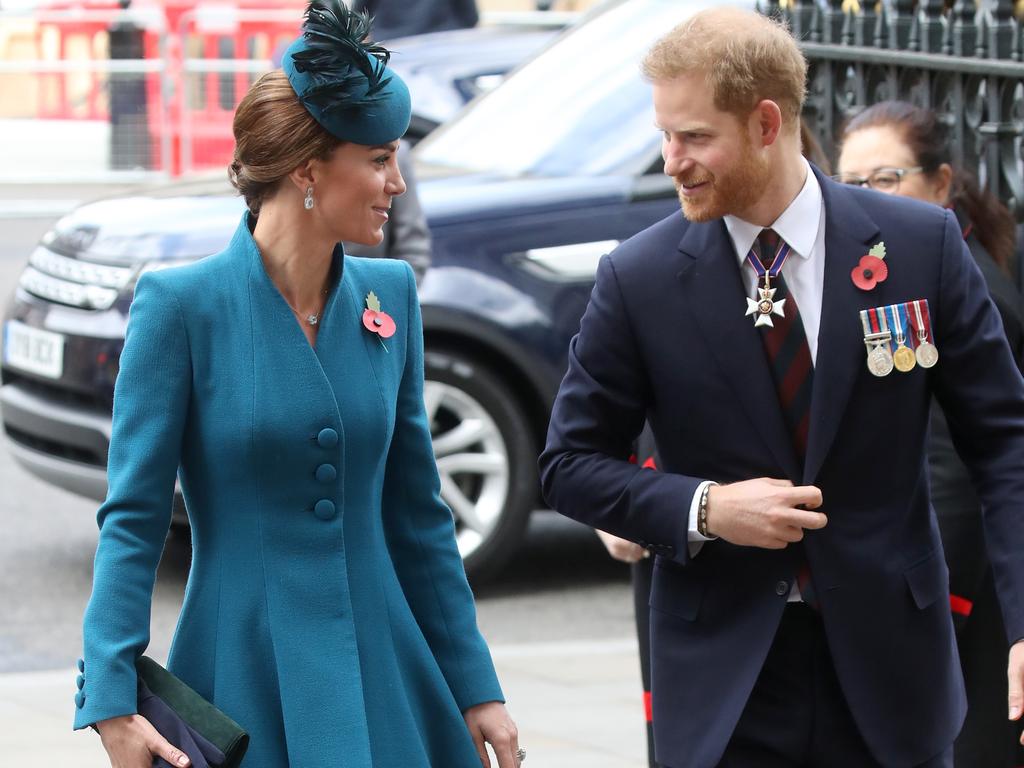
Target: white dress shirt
{"type": "Point", "coordinates": [802, 226]}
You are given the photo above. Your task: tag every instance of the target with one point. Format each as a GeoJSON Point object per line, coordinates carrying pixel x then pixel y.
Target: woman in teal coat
{"type": "Point", "coordinates": [327, 610]}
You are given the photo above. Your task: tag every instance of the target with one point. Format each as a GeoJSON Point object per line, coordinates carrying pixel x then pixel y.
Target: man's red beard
{"type": "Point", "coordinates": [731, 192]}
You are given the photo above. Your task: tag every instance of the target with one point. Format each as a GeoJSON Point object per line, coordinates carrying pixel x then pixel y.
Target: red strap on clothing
{"type": "Point", "coordinates": [960, 605]}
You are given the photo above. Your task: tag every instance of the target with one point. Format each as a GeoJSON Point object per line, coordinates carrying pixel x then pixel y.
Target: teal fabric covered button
{"type": "Point", "coordinates": [326, 473]}
{"type": "Point", "coordinates": [80, 682]}
{"type": "Point", "coordinates": [327, 438]}
{"type": "Point", "coordinates": [81, 665]}
{"type": "Point", "coordinates": [324, 509]}
{"type": "Point", "coordinates": [80, 699]}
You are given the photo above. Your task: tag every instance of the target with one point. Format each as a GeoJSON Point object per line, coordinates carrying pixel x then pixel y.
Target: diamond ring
{"type": "Point", "coordinates": [520, 754]}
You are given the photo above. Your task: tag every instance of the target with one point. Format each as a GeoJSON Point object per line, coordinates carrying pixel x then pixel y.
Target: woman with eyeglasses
{"type": "Point", "coordinates": [898, 148]}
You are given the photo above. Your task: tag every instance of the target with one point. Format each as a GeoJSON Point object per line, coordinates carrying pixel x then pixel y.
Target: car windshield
{"type": "Point", "coordinates": [580, 108]}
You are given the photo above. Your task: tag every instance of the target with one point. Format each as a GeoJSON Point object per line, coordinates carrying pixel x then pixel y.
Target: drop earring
{"type": "Point", "coordinates": [308, 202]}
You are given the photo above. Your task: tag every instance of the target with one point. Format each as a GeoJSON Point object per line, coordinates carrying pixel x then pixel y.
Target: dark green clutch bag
{"type": "Point", "coordinates": [187, 720]}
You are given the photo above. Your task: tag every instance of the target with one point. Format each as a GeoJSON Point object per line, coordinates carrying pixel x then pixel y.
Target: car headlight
{"type": "Point", "coordinates": [574, 262]}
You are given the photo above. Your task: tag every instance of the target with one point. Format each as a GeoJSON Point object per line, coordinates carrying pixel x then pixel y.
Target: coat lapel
{"type": "Point", "coordinates": [715, 296]}
{"type": "Point", "coordinates": [849, 232]}
{"type": "Point", "coordinates": [290, 357]}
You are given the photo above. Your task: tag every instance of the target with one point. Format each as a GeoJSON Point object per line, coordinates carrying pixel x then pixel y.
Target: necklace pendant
{"type": "Point", "coordinates": [313, 319]}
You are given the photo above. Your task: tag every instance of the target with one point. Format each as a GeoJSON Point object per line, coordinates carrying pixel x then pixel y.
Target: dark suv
{"type": "Point", "coordinates": [523, 192]}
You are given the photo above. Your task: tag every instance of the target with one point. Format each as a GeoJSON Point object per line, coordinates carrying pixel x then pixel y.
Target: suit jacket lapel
{"type": "Point", "coordinates": [849, 232]}
{"type": "Point", "coordinates": [715, 296]}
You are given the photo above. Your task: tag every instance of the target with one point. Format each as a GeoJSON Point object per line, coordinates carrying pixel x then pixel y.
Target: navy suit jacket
{"type": "Point", "coordinates": [665, 338]}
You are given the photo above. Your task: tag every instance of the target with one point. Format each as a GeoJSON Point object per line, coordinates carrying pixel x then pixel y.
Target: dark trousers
{"type": "Point", "coordinates": [988, 739]}
{"type": "Point", "coordinates": [642, 573]}
{"type": "Point", "coordinates": [797, 716]}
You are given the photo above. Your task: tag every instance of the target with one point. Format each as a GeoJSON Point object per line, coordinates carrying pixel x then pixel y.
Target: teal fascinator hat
{"type": "Point", "coordinates": [343, 80]}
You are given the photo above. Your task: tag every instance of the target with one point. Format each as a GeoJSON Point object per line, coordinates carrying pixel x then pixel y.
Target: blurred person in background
{"type": "Point", "coordinates": [327, 611]}
{"type": "Point", "coordinates": [902, 149]}
{"type": "Point", "coordinates": [399, 18]}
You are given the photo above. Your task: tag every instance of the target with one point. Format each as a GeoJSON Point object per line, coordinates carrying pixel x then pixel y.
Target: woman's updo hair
{"type": "Point", "coordinates": [274, 134]}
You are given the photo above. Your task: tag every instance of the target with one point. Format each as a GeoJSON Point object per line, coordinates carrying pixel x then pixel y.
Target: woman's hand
{"type": "Point", "coordinates": [490, 723]}
{"type": "Point", "coordinates": [132, 742]}
{"type": "Point", "coordinates": [622, 549]}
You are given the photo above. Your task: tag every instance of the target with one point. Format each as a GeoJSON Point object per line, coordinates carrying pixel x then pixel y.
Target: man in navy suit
{"type": "Point", "coordinates": [783, 338]}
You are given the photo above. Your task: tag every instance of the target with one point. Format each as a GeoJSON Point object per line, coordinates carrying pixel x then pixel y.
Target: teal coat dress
{"type": "Point", "coordinates": [327, 610]}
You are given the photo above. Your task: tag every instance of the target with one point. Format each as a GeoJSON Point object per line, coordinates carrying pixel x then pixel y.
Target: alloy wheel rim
{"type": "Point", "coordinates": [472, 461]}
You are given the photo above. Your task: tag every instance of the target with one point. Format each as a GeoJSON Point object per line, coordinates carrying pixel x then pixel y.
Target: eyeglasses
{"type": "Point", "coordinates": [881, 179]}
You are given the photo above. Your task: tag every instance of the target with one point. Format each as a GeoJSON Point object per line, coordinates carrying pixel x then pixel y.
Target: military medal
{"type": "Point", "coordinates": [880, 361]}
{"type": "Point", "coordinates": [903, 358]}
{"type": "Point", "coordinates": [927, 354]}
{"type": "Point", "coordinates": [876, 340]}
{"type": "Point", "coordinates": [766, 304]}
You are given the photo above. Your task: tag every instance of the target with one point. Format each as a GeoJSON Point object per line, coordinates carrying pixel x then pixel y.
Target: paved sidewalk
{"type": "Point", "coordinates": [577, 705]}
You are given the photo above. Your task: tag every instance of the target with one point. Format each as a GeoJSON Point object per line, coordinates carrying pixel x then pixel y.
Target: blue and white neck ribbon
{"type": "Point", "coordinates": [772, 271]}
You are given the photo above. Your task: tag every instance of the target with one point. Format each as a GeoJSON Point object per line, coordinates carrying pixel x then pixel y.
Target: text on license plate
{"type": "Point", "coordinates": [33, 350]}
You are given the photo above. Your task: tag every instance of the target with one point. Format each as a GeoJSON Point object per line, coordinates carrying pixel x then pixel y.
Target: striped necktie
{"type": "Point", "coordinates": [785, 345]}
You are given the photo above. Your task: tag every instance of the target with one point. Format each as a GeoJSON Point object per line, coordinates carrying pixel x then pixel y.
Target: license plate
{"type": "Point", "coordinates": [33, 350]}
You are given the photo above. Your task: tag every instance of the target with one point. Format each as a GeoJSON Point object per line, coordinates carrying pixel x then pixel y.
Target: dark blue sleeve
{"type": "Point", "coordinates": [981, 391]}
{"type": "Point", "coordinates": [599, 411]}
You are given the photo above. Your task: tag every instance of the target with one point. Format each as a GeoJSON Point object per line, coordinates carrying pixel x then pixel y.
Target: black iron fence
{"type": "Point", "coordinates": [965, 61]}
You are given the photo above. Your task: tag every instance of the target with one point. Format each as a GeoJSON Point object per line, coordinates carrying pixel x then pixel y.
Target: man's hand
{"type": "Point", "coordinates": [1015, 677]}
{"type": "Point", "coordinates": [764, 512]}
{"type": "Point", "coordinates": [622, 549]}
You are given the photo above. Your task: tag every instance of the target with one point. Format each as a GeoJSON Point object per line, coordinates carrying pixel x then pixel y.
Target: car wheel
{"type": "Point", "coordinates": [485, 456]}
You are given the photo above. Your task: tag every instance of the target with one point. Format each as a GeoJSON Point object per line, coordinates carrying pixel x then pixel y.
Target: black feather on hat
{"type": "Point", "coordinates": [343, 80]}
{"type": "Point", "coordinates": [347, 70]}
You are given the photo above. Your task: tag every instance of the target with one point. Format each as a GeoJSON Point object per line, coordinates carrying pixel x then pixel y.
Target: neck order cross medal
{"type": "Point", "coordinates": [766, 304]}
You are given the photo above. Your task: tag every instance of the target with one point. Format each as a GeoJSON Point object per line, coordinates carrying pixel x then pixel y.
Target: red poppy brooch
{"type": "Point", "coordinates": [377, 321]}
{"type": "Point", "coordinates": [872, 269]}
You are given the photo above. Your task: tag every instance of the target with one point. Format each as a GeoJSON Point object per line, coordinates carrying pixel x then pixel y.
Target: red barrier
{"type": "Point", "coordinates": [71, 22]}
{"type": "Point", "coordinates": [204, 104]}
{"type": "Point", "coordinates": [194, 119]}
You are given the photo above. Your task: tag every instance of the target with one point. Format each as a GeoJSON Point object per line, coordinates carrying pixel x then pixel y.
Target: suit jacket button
{"type": "Point", "coordinates": [781, 587]}
{"type": "Point", "coordinates": [326, 473]}
{"type": "Point", "coordinates": [327, 438]}
{"type": "Point", "coordinates": [80, 699]}
{"type": "Point", "coordinates": [324, 509]}
{"type": "Point", "coordinates": [80, 682]}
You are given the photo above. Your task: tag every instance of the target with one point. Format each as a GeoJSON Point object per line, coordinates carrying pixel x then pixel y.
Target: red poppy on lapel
{"type": "Point", "coordinates": [375, 320]}
{"type": "Point", "coordinates": [871, 270]}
